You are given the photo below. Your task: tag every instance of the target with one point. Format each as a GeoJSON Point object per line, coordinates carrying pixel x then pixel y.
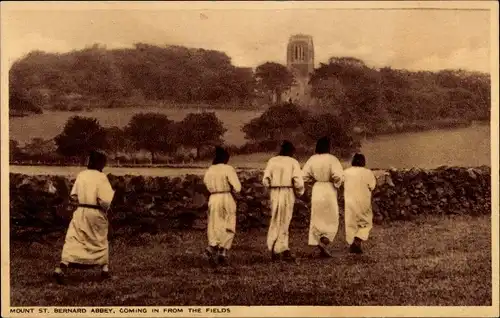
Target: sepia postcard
{"type": "Point", "coordinates": [250, 159]}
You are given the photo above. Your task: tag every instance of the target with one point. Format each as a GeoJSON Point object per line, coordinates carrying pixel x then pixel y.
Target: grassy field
{"type": "Point", "coordinates": [468, 146]}
{"type": "Point", "coordinates": [431, 261]}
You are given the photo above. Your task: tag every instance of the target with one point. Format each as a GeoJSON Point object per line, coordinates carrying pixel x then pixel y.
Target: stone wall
{"type": "Point", "coordinates": [39, 205]}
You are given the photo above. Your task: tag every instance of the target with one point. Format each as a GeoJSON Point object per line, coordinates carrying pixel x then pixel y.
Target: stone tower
{"type": "Point", "coordinates": [300, 61]}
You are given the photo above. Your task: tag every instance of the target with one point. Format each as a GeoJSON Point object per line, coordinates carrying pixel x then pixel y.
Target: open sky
{"type": "Point", "coordinates": [411, 39]}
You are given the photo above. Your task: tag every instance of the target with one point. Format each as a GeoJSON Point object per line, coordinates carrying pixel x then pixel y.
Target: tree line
{"type": "Point", "coordinates": [389, 100]}
{"type": "Point", "coordinates": [97, 77]}
{"type": "Point", "coordinates": [192, 138]}
{"type": "Point", "coordinates": [374, 100]}
{"type": "Point", "coordinates": [151, 132]}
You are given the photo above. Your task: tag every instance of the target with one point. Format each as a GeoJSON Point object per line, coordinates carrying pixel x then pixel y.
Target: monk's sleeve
{"type": "Point", "coordinates": [266, 180]}
{"type": "Point", "coordinates": [105, 193]}
{"type": "Point", "coordinates": [337, 173]}
{"type": "Point", "coordinates": [298, 179]}
{"type": "Point", "coordinates": [234, 181]}
{"type": "Point", "coordinates": [307, 172]}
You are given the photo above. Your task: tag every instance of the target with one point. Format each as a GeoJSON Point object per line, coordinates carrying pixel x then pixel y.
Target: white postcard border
{"type": "Point", "coordinates": [260, 311]}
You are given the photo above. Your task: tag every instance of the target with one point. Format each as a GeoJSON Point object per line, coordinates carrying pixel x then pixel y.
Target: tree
{"type": "Point", "coordinates": [153, 132]}
{"type": "Point", "coordinates": [330, 94]}
{"type": "Point", "coordinates": [14, 150]}
{"type": "Point", "coordinates": [291, 122]}
{"type": "Point", "coordinates": [97, 74]}
{"type": "Point", "coordinates": [347, 61]}
{"type": "Point", "coordinates": [175, 73]}
{"type": "Point", "coordinates": [278, 122]}
{"type": "Point", "coordinates": [338, 130]}
{"type": "Point", "coordinates": [243, 84]}
{"type": "Point", "coordinates": [40, 147]}
{"type": "Point", "coordinates": [198, 130]}
{"type": "Point", "coordinates": [353, 89]}
{"type": "Point", "coordinates": [18, 102]}
{"type": "Point", "coordinates": [116, 140]}
{"type": "Point", "coordinates": [274, 78]}
{"type": "Point", "coordinates": [79, 136]}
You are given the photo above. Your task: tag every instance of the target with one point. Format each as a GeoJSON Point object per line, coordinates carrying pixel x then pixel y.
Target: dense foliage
{"type": "Point", "coordinates": [79, 136]}
{"type": "Point", "coordinates": [97, 77]}
{"type": "Point", "coordinates": [274, 79]}
{"type": "Point", "coordinates": [302, 127]}
{"type": "Point", "coordinates": [375, 99]}
{"type": "Point", "coordinates": [172, 141]}
{"type": "Point", "coordinates": [151, 132]}
{"type": "Point", "coordinates": [19, 104]}
{"type": "Point", "coordinates": [387, 100]}
{"type": "Point", "coordinates": [201, 130]}
{"type": "Point", "coordinates": [349, 98]}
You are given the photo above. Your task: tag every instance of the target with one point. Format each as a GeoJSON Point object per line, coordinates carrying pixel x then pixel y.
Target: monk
{"type": "Point", "coordinates": [221, 181]}
{"type": "Point", "coordinates": [358, 186]}
{"type": "Point", "coordinates": [325, 171]}
{"type": "Point", "coordinates": [283, 178]}
{"type": "Point", "coordinates": [86, 241]}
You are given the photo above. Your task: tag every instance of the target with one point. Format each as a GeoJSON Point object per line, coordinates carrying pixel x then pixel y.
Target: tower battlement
{"type": "Point", "coordinates": [300, 61]}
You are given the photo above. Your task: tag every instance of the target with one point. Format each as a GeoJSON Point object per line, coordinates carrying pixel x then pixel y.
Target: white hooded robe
{"type": "Point", "coordinates": [358, 186]}
{"type": "Point", "coordinates": [326, 172]}
{"type": "Point", "coordinates": [284, 179]}
{"type": "Point", "coordinates": [86, 240]}
{"type": "Point", "coordinates": [220, 180]}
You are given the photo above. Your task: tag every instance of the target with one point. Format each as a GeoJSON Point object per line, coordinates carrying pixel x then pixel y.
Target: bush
{"type": "Point", "coordinates": [79, 136]}
{"type": "Point", "coordinates": [20, 103]}
{"type": "Point", "coordinates": [291, 122]}
{"type": "Point", "coordinates": [278, 122]}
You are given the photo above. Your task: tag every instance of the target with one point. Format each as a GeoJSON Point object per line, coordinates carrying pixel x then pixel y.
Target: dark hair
{"type": "Point", "coordinates": [323, 145]}
{"type": "Point", "coordinates": [287, 149]}
{"type": "Point", "coordinates": [221, 156]}
{"type": "Point", "coordinates": [358, 160]}
{"type": "Point", "coordinates": [97, 161]}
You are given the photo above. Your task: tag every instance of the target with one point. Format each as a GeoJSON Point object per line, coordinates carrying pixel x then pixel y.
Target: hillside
{"type": "Point", "coordinates": [173, 76]}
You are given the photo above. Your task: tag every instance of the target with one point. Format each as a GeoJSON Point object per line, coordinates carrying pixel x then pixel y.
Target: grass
{"type": "Point", "coordinates": [459, 147]}
{"type": "Point", "coordinates": [431, 261]}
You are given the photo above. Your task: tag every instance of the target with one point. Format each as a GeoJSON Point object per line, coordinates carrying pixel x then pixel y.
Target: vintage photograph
{"type": "Point", "coordinates": [222, 154]}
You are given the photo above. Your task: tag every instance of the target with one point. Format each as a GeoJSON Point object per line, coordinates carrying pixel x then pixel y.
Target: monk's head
{"type": "Point", "coordinates": [221, 156]}
{"type": "Point", "coordinates": [287, 149]}
{"type": "Point", "coordinates": [97, 161]}
{"type": "Point", "coordinates": [358, 160]}
{"type": "Point", "coordinates": [323, 145]}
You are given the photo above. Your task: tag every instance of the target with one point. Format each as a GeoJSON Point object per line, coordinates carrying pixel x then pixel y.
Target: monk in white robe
{"type": "Point", "coordinates": [86, 241]}
{"type": "Point", "coordinates": [326, 172]}
{"type": "Point", "coordinates": [221, 181]}
{"type": "Point", "coordinates": [358, 186]}
{"type": "Point", "coordinates": [284, 179]}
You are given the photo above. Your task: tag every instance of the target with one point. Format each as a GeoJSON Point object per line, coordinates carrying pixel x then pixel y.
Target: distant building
{"type": "Point", "coordinates": [300, 61]}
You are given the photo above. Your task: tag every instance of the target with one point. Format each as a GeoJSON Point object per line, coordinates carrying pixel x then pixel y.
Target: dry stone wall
{"type": "Point", "coordinates": [39, 205]}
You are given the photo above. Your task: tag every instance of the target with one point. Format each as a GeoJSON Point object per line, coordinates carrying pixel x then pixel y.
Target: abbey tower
{"type": "Point", "coordinates": [300, 61]}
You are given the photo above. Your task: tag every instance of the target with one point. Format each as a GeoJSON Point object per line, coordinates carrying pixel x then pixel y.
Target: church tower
{"type": "Point", "coordinates": [300, 61]}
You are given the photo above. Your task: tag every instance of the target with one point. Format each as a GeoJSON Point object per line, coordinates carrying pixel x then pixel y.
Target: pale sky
{"type": "Point", "coordinates": [411, 39]}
